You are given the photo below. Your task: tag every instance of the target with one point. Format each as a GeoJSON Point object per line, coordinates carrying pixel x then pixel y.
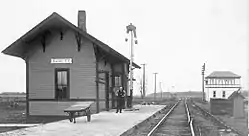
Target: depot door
{"type": "Point", "coordinates": [103, 87]}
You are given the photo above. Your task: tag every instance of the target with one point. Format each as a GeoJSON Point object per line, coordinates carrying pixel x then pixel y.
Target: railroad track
{"type": "Point", "coordinates": [182, 118]}
{"type": "Point", "coordinates": [174, 123]}
{"type": "Point", "coordinates": [207, 125]}
{"type": "Point", "coordinates": [173, 120]}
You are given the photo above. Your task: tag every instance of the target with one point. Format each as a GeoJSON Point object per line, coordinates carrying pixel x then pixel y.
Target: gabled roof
{"type": "Point", "coordinates": [223, 74]}
{"type": "Point", "coordinates": [55, 21]}
{"type": "Point", "coordinates": [236, 94]}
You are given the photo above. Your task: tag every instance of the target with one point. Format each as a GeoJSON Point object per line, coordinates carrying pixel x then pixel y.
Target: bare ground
{"type": "Point", "coordinates": [239, 124]}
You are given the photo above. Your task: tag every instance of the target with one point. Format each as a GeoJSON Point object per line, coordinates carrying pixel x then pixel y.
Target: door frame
{"type": "Point", "coordinates": [107, 86]}
{"type": "Point", "coordinates": [107, 99]}
{"type": "Point", "coordinates": [56, 70]}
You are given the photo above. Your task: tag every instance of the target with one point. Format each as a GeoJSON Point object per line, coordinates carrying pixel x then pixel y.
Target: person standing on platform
{"type": "Point", "coordinates": [120, 93]}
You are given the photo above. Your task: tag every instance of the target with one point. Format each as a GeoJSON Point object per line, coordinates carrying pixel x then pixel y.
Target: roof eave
{"type": "Point", "coordinates": [12, 54]}
{"type": "Point", "coordinates": [100, 43]}
{"type": "Point", "coordinates": [10, 49]}
{"type": "Point", "coordinates": [222, 77]}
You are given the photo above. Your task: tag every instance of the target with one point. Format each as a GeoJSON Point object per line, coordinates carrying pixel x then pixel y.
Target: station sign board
{"type": "Point", "coordinates": [61, 60]}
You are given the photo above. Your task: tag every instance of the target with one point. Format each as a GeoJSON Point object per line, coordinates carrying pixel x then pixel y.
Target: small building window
{"type": "Point", "coordinates": [214, 94]}
{"type": "Point", "coordinates": [223, 94]}
{"type": "Point", "coordinates": [222, 82]}
{"type": "Point", "coordinates": [219, 82]}
{"type": "Point", "coordinates": [226, 82]}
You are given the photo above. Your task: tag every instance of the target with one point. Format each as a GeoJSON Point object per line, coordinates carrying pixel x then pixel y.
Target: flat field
{"type": "Point", "coordinates": [13, 115]}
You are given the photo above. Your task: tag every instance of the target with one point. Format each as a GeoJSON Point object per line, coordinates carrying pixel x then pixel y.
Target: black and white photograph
{"type": "Point", "coordinates": [124, 68]}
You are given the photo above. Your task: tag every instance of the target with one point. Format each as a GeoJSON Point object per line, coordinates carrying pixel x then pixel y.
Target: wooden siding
{"type": "Point", "coordinates": [118, 68]}
{"type": "Point", "coordinates": [102, 92]}
{"type": "Point", "coordinates": [41, 71]}
{"type": "Point", "coordinates": [209, 92]}
{"type": "Point", "coordinates": [221, 107]}
{"type": "Point", "coordinates": [238, 105]}
{"type": "Point", "coordinates": [104, 66]}
{"type": "Point", "coordinates": [102, 106]}
{"type": "Point", "coordinates": [110, 101]}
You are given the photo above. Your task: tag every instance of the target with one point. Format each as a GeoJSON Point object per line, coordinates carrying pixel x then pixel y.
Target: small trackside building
{"type": "Point", "coordinates": [221, 84]}
{"type": "Point", "coordinates": [66, 65]}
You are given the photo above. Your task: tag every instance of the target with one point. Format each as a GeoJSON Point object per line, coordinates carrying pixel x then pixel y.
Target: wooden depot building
{"type": "Point", "coordinates": [65, 65]}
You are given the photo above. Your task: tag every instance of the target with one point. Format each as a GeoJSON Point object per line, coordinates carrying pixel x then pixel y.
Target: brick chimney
{"type": "Point", "coordinates": [82, 20]}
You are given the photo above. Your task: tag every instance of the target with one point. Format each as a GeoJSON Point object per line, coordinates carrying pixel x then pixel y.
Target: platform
{"type": "Point", "coordinates": [107, 123]}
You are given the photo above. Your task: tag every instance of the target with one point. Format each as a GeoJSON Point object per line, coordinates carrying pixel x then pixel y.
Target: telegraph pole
{"type": "Point", "coordinates": [161, 90]}
{"type": "Point", "coordinates": [155, 88]}
{"type": "Point", "coordinates": [143, 80]}
{"type": "Point", "coordinates": [203, 73]}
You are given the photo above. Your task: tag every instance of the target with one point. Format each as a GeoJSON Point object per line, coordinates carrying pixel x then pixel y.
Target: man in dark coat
{"type": "Point", "coordinates": [120, 93]}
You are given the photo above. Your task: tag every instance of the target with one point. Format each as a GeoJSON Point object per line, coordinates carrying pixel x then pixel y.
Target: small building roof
{"type": "Point", "coordinates": [55, 21]}
{"type": "Point", "coordinates": [236, 94]}
{"type": "Point", "coordinates": [223, 74]}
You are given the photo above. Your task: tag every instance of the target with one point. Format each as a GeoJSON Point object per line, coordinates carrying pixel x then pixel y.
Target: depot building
{"type": "Point", "coordinates": [65, 65]}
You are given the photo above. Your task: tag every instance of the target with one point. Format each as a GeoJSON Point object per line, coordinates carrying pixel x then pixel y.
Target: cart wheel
{"type": "Point", "coordinates": [70, 116]}
{"type": "Point", "coordinates": [88, 114]}
{"type": "Point", "coordinates": [88, 117]}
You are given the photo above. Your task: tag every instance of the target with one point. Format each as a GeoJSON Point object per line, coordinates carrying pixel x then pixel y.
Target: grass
{"type": "Point", "coordinates": [6, 129]}
{"type": "Point", "coordinates": [239, 124]}
{"type": "Point", "coordinates": [10, 114]}
{"type": "Point", "coordinates": [16, 115]}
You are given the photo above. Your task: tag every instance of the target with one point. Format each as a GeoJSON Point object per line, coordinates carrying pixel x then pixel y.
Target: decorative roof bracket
{"type": "Point", "coordinates": [95, 51]}
{"type": "Point", "coordinates": [43, 42]}
{"type": "Point", "coordinates": [44, 39]}
{"type": "Point", "coordinates": [78, 39]}
{"type": "Point", "coordinates": [62, 34]}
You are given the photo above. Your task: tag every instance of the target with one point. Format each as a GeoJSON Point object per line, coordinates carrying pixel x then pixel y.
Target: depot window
{"type": "Point", "coordinates": [117, 80]}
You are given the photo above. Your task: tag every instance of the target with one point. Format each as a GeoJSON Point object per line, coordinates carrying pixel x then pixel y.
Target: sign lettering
{"type": "Point", "coordinates": [62, 60]}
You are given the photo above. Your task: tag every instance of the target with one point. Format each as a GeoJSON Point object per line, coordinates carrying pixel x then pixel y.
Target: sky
{"type": "Point", "coordinates": [175, 38]}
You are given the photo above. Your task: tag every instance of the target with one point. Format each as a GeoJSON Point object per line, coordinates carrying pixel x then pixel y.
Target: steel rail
{"type": "Point", "coordinates": [188, 113]}
{"type": "Point", "coordinates": [219, 121]}
{"type": "Point", "coordinates": [190, 120]}
{"type": "Point", "coordinates": [161, 121]}
{"type": "Point", "coordinates": [191, 128]}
